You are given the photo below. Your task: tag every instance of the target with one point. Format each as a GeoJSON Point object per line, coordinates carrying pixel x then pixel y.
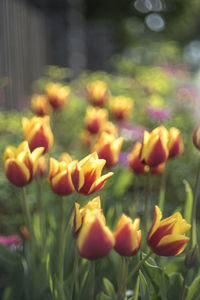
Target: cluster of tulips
{"type": "Point", "coordinates": [21, 164]}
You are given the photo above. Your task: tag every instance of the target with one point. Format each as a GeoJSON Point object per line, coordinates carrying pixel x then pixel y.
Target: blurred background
{"type": "Point", "coordinates": [91, 35]}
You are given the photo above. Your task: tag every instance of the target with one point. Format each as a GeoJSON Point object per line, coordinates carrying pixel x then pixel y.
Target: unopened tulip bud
{"type": "Point", "coordinates": [127, 236]}
{"type": "Point", "coordinates": [40, 105]}
{"type": "Point", "coordinates": [192, 257]}
{"type": "Point", "coordinates": [121, 107]}
{"type": "Point", "coordinates": [94, 118]}
{"type": "Point", "coordinates": [196, 137]}
{"type": "Point", "coordinates": [57, 94]}
{"type": "Point", "coordinates": [97, 92]}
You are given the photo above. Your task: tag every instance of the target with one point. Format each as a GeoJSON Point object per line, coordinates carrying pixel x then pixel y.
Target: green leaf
{"type": "Point", "coordinates": [193, 288]}
{"type": "Point", "coordinates": [188, 202]}
{"type": "Point", "coordinates": [123, 181]}
{"type": "Point", "coordinates": [9, 258]}
{"type": "Point", "coordinates": [174, 286]}
{"type": "Point", "coordinates": [136, 290]}
{"type": "Point", "coordinates": [144, 289]}
{"type": "Point", "coordinates": [109, 288]}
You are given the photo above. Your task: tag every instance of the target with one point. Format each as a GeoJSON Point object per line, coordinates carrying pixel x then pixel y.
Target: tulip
{"type": "Point", "coordinates": [175, 144]}
{"type": "Point", "coordinates": [127, 236]}
{"type": "Point", "coordinates": [110, 128]}
{"type": "Point", "coordinates": [134, 161]}
{"type": "Point", "coordinates": [42, 166]}
{"type": "Point", "coordinates": [93, 205]}
{"type": "Point", "coordinates": [40, 105]}
{"type": "Point", "coordinates": [57, 94]}
{"type": "Point", "coordinates": [167, 237]}
{"type": "Point", "coordinates": [97, 92]}
{"type": "Point", "coordinates": [60, 177]}
{"type": "Point", "coordinates": [95, 239]}
{"type": "Point", "coordinates": [20, 164]}
{"type": "Point", "coordinates": [65, 157]}
{"type": "Point", "coordinates": [86, 175]}
{"type": "Point", "coordinates": [38, 133]}
{"type": "Point", "coordinates": [108, 147]}
{"type": "Point", "coordinates": [196, 137]}
{"type": "Point", "coordinates": [155, 147]}
{"type": "Point", "coordinates": [121, 107]}
{"type": "Point", "coordinates": [94, 118]}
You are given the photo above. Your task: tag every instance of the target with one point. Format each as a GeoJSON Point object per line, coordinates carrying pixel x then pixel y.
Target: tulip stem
{"type": "Point", "coordinates": [195, 195]}
{"type": "Point", "coordinates": [74, 273]}
{"type": "Point", "coordinates": [125, 276]}
{"type": "Point", "coordinates": [26, 210]}
{"type": "Point", "coordinates": [41, 210]}
{"type": "Point", "coordinates": [162, 191]}
{"type": "Point", "coordinates": [183, 286]}
{"type": "Point", "coordinates": [91, 279]}
{"type": "Point", "coordinates": [146, 202]}
{"type": "Point", "coordinates": [121, 276]}
{"type": "Point", "coordinates": [138, 266]}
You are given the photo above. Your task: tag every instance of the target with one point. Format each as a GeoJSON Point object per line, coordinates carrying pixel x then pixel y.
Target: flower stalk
{"type": "Point", "coordinates": [195, 196]}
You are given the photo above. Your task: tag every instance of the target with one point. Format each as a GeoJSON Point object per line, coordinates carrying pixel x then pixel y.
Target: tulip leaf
{"type": "Point", "coordinates": [188, 202]}
{"type": "Point", "coordinates": [193, 289]}
{"type": "Point", "coordinates": [144, 289]}
{"type": "Point", "coordinates": [9, 258]}
{"type": "Point", "coordinates": [136, 291]}
{"type": "Point", "coordinates": [175, 286]}
{"type": "Point", "coordinates": [109, 288]}
{"type": "Point", "coordinates": [124, 180]}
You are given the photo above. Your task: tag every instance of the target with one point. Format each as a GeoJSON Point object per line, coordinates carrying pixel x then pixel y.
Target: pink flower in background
{"type": "Point", "coordinates": [11, 241]}
{"type": "Point", "coordinates": [131, 132]}
{"type": "Point", "coordinates": [174, 70]}
{"type": "Point", "coordinates": [158, 114]}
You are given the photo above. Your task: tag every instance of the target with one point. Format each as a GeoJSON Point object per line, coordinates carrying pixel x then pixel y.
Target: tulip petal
{"type": "Point", "coordinates": [156, 222]}
{"type": "Point", "coordinates": [99, 183]}
{"type": "Point", "coordinates": [77, 217]}
{"type": "Point", "coordinates": [95, 240]}
{"type": "Point", "coordinates": [61, 184]}
{"type": "Point", "coordinates": [17, 172]}
{"type": "Point", "coordinates": [171, 245]}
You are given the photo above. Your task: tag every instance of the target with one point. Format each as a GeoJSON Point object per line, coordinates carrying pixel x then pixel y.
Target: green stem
{"type": "Point", "coordinates": [26, 212]}
{"type": "Point", "coordinates": [92, 279]}
{"type": "Point", "coordinates": [162, 191]}
{"type": "Point", "coordinates": [74, 273]}
{"type": "Point", "coordinates": [41, 210]}
{"type": "Point", "coordinates": [195, 195]}
{"type": "Point", "coordinates": [183, 286]}
{"type": "Point", "coordinates": [146, 202]}
{"type": "Point", "coordinates": [125, 277]}
{"type": "Point", "coordinates": [121, 276]}
{"type": "Point", "coordinates": [138, 266]}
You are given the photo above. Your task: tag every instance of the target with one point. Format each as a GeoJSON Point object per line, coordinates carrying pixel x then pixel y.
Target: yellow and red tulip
{"type": "Point", "coordinates": [158, 170]}
{"type": "Point", "coordinates": [127, 236]}
{"type": "Point", "coordinates": [155, 147]}
{"type": "Point", "coordinates": [97, 92]}
{"type": "Point", "coordinates": [167, 237]}
{"type": "Point", "coordinates": [20, 164]}
{"type": "Point", "coordinates": [110, 128]}
{"type": "Point", "coordinates": [196, 137]}
{"type": "Point", "coordinates": [93, 205]}
{"type": "Point", "coordinates": [57, 94]}
{"type": "Point", "coordinates": [40, 105]}
{"type": "Point", "coordinates": [121, 107]}
{"type": "Point", "coordinates": [65, 157]}
{"type": "Point", "coordinates": [94, 118]}
{"type": "Point", "coordinates": [86, 175]}
{"type": "Point", "coordinates": [60, 177]}
{"type": "Point", "coordinates": [42, 167]}
{"type": "Point", "coordinates": [134, 161]}
{"type": "Point", "coordinates": [38, 133]}
{"type": "Point", "coordinates": [108, 147]}
{"type": "Point", "coordinates": [175, 144]}
{"type": "Point", "coordinates": [95, 239]}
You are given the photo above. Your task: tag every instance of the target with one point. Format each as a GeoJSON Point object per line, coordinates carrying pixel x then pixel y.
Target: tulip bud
{"type": "Point", "coordinates": [155, 147]}
{"type": "Point", "coordinates": [97, 92]}
{"type": "Point", "coordinates": [127, 236]}
{"type": "Point", "coordinates": [40, 105]}
{"type": "Point", "coordinates": [121, 107]}
{"type": "Point", "coordinates": [95, 239]}
{"type": "Point", "coordinates": [94, 118]}
{"type": "Point", "coordinates": [108, 147]}
{"type": "Point", "coordinates": [57, 94]}
{"type": "Point", "coordinates": [38, 133]}
{"type": "Point", "coordinates": [93, 205]}
{"type": "Point", "coordinates": [86, 174]}
{"type": "Point", "coordinates": [175, 144]}
{"type": "Point", "coordinates": [167, 237]}
{"type": "Point", "coordinates": [20, 164]}
{"type": "Point", "coordinates": [196, 137]}
{"type": "Point", "coordinates": [192, 257]}
{"type": "Point", "coordinates": [60, 177]}
{"type": "Point", "coordinates": [134, 161]}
